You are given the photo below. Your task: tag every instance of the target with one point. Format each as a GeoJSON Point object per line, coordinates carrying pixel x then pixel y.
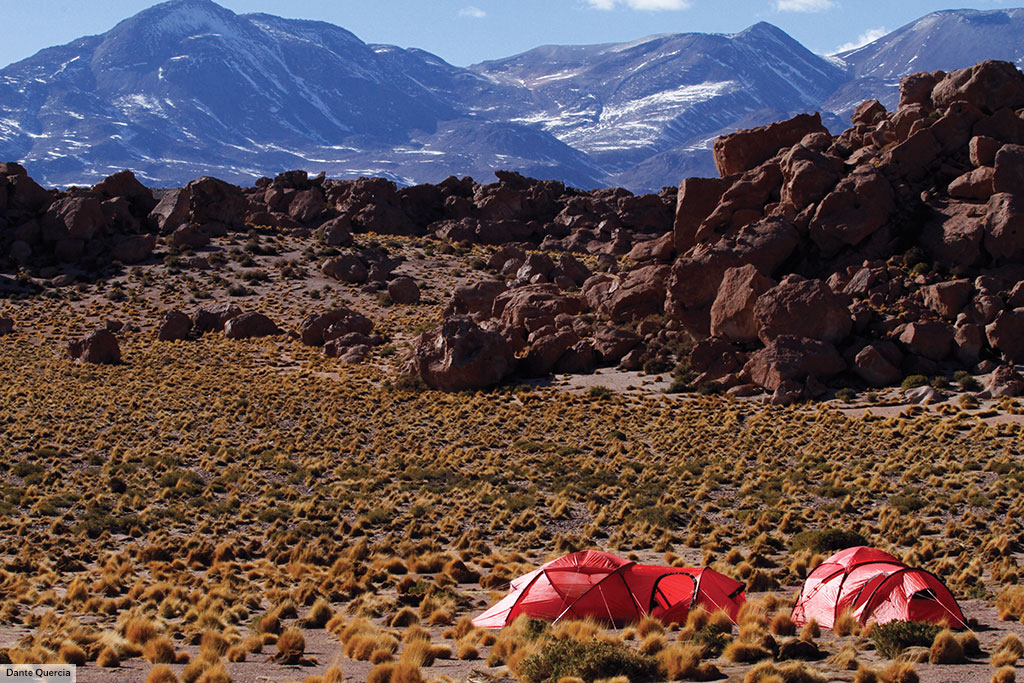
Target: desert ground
{"type": "Point", "coordinates": [251, 510]}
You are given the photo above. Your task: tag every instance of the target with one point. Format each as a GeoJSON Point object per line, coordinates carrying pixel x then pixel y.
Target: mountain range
{"type": "Point", "coordinates": [189, 88]}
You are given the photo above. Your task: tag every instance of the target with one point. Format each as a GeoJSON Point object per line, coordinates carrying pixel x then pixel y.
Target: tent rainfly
{"type": "Point", "coordinates": [874, 586]}
{"type": "Point", "coordinates": [601, 586]}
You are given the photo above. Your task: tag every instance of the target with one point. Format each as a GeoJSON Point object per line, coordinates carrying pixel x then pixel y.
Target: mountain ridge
{"type": "Point", "coordinates": [184, 88]}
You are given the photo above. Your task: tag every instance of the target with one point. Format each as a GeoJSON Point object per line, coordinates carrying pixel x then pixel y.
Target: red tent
{"type": "Point", "coordinates": [602, 586]}
{"type": "Point", "coordinates": [874, 586]}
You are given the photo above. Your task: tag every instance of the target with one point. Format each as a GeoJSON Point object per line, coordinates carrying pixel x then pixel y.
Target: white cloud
{"type": "Point", "coordinates": [472, 12]}
{"type": "Point", "coordinates": [650, 5]}
{"type": "Point", "coordinates": [803, 5]}
{"type": "Point", "coordinates": [869, 36]}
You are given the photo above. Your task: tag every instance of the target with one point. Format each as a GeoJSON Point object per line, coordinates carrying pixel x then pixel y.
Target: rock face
{"type": "Point", "coordinates": [98, 347]}
{"type": "Point", "coordinates": [789, 358]}
{"type": "Point", "coordinates": [745, 149]}
{"type": "Point", "coordinates": [802, 308]}
{"type": "Point", "coordinates": [732, 314]}
{"type": "Point", "coordinates": [460, 355]}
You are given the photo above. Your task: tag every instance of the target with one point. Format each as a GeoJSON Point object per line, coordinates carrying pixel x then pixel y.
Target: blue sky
{"type": "Point", "coordinates": [469, 31]}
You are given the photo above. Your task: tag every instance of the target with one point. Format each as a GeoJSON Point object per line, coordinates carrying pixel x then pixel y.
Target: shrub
{"type": "Point", "coordinates": [966, 381]}
{"type": "Point", "coordinates": [913, 382]}
{"type": "Point", "coordinates": [1005, 674]}
{"type": "Point", "coordinates": [825, 540]}
{"type": "Point", "coordinates": [589, 661]}
{"type": "Point", "coordinates": [946, 649]}
{"type": "Point", "coordinates": [161, 673]}
{"type": "Point", "coordinates": [1010, 603]}
{"type": "Point", "coordinates": [892, 638]}
{"type": "Point", "coordinates": [599, 392]}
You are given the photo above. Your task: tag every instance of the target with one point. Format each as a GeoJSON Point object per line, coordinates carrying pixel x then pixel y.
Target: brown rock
{"type": "Point", "coordinates": [404, 290]}
{"type": "Point", "coordinates": [931, 339]}
{"type": "Point", "coordinates": [1005, 381]}
{"type": "Point", "coordinates": [532, 307]}
{"type": "Point", "coordinates": [640, 293]}
{"type": "Point", "coordinates": [713, 359]}
{"type": "Point", "coordinates": [26, 194]}
{"type": "Point", "coordinates": [1006, 334]}
{"type": "Point", "coordinates": [1004, 228]}
{"type": "Point", "coordinates": [948, 298]}
{"type": "Point", "coordinates": [732, 313]}
{"type": "Point", "coordinates": [171, 211]}
{"type": "Point", "coordinates": [968, 341]}
{"type": "Point", "coordinates": [989, 86]}
{"type": "Point", "coordinates": [868, 113]}
{"type": "Point", "coordinates": [612, 343]}
{"type": "Point", "coordinates": [214, 201]}
{"type": "Point", "coordinates": [976, 184]}
{"type": "Point", "coordinates": [808, 175]}
{"type": "Point", "coordinates": [460, 355]}
{"type": "Point", "coordinates": [98, 347]}
{"type": "Point", "coordinates": [175, 325]}
{"type": "Point", "coordinates": [573, 269]}
{"type": "Point", "coordinates": [475, 299]}
{"type": "Point", "coordinates": [860, 205]}
{"type": "Point", "coordinates": [983, 150]}
{"type": "Point", "coordinates": [546, 347]}
{"type": "Point", "coordinates": [250, 325]}
{"type": "Point", "coordinates": [743, 150]}
{"type": "Point", "coordinates": [917, 89]}
{"type": "Point", "coordinates": [696, 199]}
{"type": "Point", "coordinates": [878, 365]}
{"type": "Point", "coordinates": [792, 358]}
{"type": "Point", "coordinates": [1009, 171]}
{"type": "Point", "coordinates": [660, 249]}
{"type": "Point", "coordinates": [337, 232]}
{"type": "Point", "coordinates": [125, 184]}
{"type": "Point", "coordinates": [339, 321]}
{"type": "Point", "coordinates": [802, 308]}
{"type": "Point", "coordinates": [188, 236]}
{"type": "Point", "coordinates": [6, 326]}
{"type": "Point", "coordinates": [346, 268]}
{"type": "Point", "coordinates": [76, 218]}
{"type": "Point", "coordinates": [694, 280]}
{"type": "Point", "coordinates": [307, 205]}
{"type": "Point", "coordinates": [133, 248]}
{"type": "Point", "coordinates": [213, 318]}
{"type": "Point", "coordinates": [913, 157]}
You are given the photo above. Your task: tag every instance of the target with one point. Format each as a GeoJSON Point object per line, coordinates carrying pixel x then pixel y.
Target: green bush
{"type": "Point", "coordinates": [826, 540]}
{"type": "Point", "coordinates": [589, 661]}
{"type": "Point", "coordinates": [913, 382]}
{"type": "Point", "coordinates": [966, 381]}
{"type": "Point", "coordinates": [599, 392]}
{"type": "Point", "coordinates": [894, 637]}
{"type": "Point", "coordinates": [846, 395]}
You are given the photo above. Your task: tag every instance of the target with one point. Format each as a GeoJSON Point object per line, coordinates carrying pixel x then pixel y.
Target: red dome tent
{"type": "Point", "coordinates": [602, 586]}
{"type": "Point", "coordinates": [874, 586]}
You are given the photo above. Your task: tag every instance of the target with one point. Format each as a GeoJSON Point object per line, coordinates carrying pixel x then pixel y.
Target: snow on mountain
{"type": "Point", "coordinates": [188, 88]}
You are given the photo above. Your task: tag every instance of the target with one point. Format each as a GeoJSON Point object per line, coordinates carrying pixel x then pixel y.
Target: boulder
{"type": "Point", "coordinates": [808, 176]}
{"type": "Point", "coordinates": [404, 290]}
{"type": "Point", "coordinates": [989, 86]}
{"type": "Point", "coordinates": [188, 236]}
{"type": "Point", "coordinates": [573, 269]}
{"type": "Point", "coordinates": [1006, 334]}
{"type": "Point", "coordinates": [931, 339]}
{"type": "Point", "coordinates": [337, 232]}
{"type": "Point", "coordinates": [125, 184]}
{"type": "Point", "coordinates": [977, 184]}
{"type": "Point", "coordinates": [792, 358]}
{"type": "Point", "coordinates": [6, 325]}
{"type": "Point", "coordinates": [546, 347]}
{"type": "Point", "coordinates": [638, 294]}
{"type": "Point", "coordinates": [133, 249]}
{"type": "Point", "coordinates": [532, 307]}
{"type": "Point", "coordinates": [713, 359]}
{"type": "Point", "coordinates": [340, 321]}
{"type": "Point", "coordinates": [76, 218]}
{"type": "Point", "coordinates": [174, 326]}
{"type": "Point", "coordinates": [460, 355]}
{"type": "Point", "coordinates": [171, 211]}
{"type": "Point", "coordinates": [732, 313]}
{"type": "Point", "coordinates": [213, 318]}
{"type": "Point", "coordinates": [346, 268]}
{"type": "Point", "coordinates": [1005, 381]}
{"type": "Point", "coordinates": [743, 150]}
{"type": "Point", "coordinates": [802, 308]}
{"type": "Point", "coordinates": [860, 205]}
{"type": "Point", "coordinates": [696, 200]}
{"type": "Point", "coordinates": [1008, 175]}
{"type": "Point", "coordinates": [968, 341]}
{"type": "Point", "coordinates": [983, 149]}
{"type": "Point", "coordinates": [250, 325]}
{"type": "Point", "coordinates": [948, 298]}
{"type": "Point", "coordinates": [214, 201]}
{"type": "Point", "coordinates": [660, 249]}
{"type": "Point", "coordinates": [1004, 227]}
{"type": "Point", "coordinates": [612, 343]}
{"type": "Point", "coordinates": [26, 194]}
{"type": "Point", "coordinates": [307, 206]}
{"type": "Point", "coordinates": [878, 365]}
{"type": "Point", "coordinates": [475, 299]}
{"type": "Point", "coordinates": [98, 347]}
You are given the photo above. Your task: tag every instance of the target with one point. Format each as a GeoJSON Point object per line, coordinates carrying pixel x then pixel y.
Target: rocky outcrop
{"type": "Point", "coordinates": [460, 355]}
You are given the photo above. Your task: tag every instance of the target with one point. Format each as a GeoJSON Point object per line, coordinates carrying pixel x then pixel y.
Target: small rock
{"type": "Point", "coordinates": [99, 347]}
{"type": "Point", "coordinates": [250, 325]}
{"type": "Point", "coordinates": [404, 290]}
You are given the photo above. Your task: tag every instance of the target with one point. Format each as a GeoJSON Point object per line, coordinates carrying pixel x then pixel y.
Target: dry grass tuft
{"type": "Point", "coordinates": [1010, 649]}
{"type": "Point", "coordinates": [782, 625]}
{"type": "Point", "coordinates": [108, 658]}
{"type": "Point", "coordinates": [900, 672]}
{"type": "Point", "coordinates": [161, 673]}
{"type": "Point", "coordinates": [159, 650]}
{"type": "Point", "coordinates": [1004, 674]}
{"type": "Point", "coordinates": [70, 653]}
{"type": "Point", "coordinates": [946, 649]}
